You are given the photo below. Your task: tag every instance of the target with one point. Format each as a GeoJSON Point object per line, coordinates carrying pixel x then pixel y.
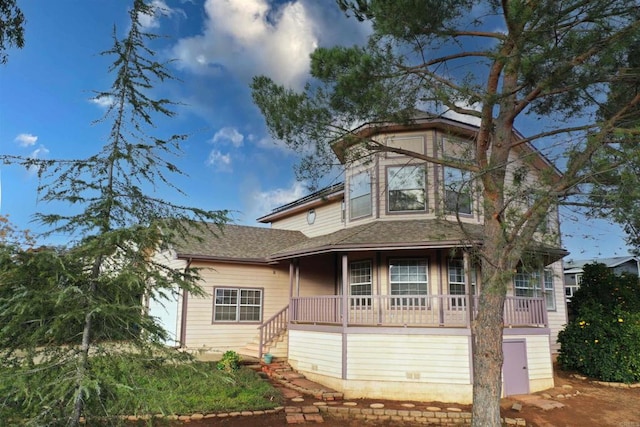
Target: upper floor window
{"type": "Point", "coordinates": [360, 195]}
{"type": "Point", "coordinates": [406, 188]}
{"type": "Point", "coordinates": [457, 191]}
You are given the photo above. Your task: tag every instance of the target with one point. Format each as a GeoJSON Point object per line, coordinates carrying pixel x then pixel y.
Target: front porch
{"type": "Point", "coordinates": [409, 311]}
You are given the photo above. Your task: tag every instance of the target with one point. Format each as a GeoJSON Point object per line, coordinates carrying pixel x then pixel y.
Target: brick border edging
{"type": "Point", "coordinates": [197, 416]}
{"type": "Point", "coordinates": [402, 415]}
{"type": "Point", "coordinates": [606, 383]}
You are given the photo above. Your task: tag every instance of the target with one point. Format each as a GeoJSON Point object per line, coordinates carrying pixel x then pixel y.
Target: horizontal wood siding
{"type": "Point", "coordinates": [318, 275]}
{"type": "Point", "coordinates": [328, 219]}
{"type": "Point", "coordinates": [317, 352]}
{"type": "Point", "coordinates": [168, 310]}
{"type": "Point", "coordinates": [202, 332]}
{"type": "Point", "coordinates": [414, 358]}
{"type": "Point", "coordinates": [558, 317]}
{"type": "Point", "coordinates": [538, 356]}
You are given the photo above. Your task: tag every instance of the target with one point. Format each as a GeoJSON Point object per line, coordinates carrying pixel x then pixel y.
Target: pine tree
{"type": "Point", "coordinates": [97, 287]}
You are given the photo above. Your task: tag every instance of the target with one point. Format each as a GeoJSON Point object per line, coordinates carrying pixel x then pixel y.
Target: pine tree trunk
{"type": "Point", "coordinates": [81, 371]}
{"type": "Point", "coordinates": [487, 360]}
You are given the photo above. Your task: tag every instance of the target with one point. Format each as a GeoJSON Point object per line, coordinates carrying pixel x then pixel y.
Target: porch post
{"type": "Point", "coordinates": [345, 313]}
{"type": "Point", "coordinates": [297, 277]}
{"type": "Point", "coordinates": [290, 280]}
{"type": "Point", "coordinates": [466, 262]}
{"type": "Point", "coordinates": [442, 269]}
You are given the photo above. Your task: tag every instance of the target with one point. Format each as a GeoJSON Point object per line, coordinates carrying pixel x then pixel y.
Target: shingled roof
{"type": "Point", "coordinates": [236, 243]}
{"type": "Point", "coordinates": [387, 235]}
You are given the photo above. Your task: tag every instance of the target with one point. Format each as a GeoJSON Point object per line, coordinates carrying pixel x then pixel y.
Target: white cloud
{"type": "Point", "coordinates": [221, 162]}
{"type": "Point", "coordinates": [464, 118]}
{"type": "Point", "coordinates": [160, 9]}
{"type": "Point", "coordinates": [263, 202]}
{"type": "Point", "coordinates": [39, 153]}
{"type": "Point", "coordinates": [250, 37]}
{"type": "Point", "coordinates": [228, 134]}
{"type": "Point", "coordinates": [103, 101]}
{"type": "Point", "coordinates": [26, 139]}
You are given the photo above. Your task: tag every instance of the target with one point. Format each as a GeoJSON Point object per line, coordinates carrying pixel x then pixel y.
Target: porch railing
{"type": "Point", "coordinates": [273, 327]}
{"type": "Point", "coordinates": [409, 310]}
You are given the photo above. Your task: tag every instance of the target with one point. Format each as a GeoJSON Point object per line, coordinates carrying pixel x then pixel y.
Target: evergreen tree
{"type": "Point", "coordinates": [487, 61]}
{"type": "Point", "coordinates": [96, 289]}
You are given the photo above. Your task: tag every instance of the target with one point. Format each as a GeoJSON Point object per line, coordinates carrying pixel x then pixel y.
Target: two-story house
{"type": "Point", "coordinates": [372, 283]}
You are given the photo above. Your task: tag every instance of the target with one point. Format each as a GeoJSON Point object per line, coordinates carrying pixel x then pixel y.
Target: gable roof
{"type": "Point", "coordinates": [237, 243]}
{"type": "Point", "coordinates": [309, 201]}
{"type": "Point", "coordinates": [244, 244]}
{"type": "Point", "coordinates": [576, 266]}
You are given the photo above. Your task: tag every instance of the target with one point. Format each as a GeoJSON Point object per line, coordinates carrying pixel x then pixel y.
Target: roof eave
{"type": "Point", "coordinates": [371, 247]}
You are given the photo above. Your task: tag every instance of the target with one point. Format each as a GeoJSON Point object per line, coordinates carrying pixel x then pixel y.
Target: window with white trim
{"type": "Point", "coordinates": [406, 188]}
{"type": "Point", "coordinates": [535, 284]}
{"type": "Point", "coordinates": [360, 283]}
{"type": "Point", "coordinates": [237, 305]}
{"type": "Point", "coordinates": [457, 191]}
{"type": "Point", "coordinates": [457, 284]}
{"type": "Point", "coordinates": [549, 294]}
{"type": "Point", "coordinates": [409, 277]}
{"type": "Point", "coordinates": [360, 195]}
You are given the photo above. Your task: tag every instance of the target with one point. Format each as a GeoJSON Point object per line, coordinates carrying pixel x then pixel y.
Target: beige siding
{"type": "Point", "coordinates": [167, 309]}
{"type": "Point", "coordinates": [558, 317]}
{"type": "Point", "coordinates": [317, 276]}
{"type": "Point", "coordinates": [328, 219]}
{"type": "Point", "coordinates": [203, 333]}
{"type": "Point", "coordinates": [317, 352]}
{"type": "Point", "coordinates": [417, 358]}
{"type": "Point", "coordinates": [539, 363]}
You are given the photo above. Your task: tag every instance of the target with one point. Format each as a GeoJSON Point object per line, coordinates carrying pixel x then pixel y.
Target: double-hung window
{"type": "Point", "coordinates": [535, 284]}
{"type": "Point", "coordinates": [237, 305]}
{"type": "Point", "coordinates": [406, 188]}
{"type": "Point", "coordinates": [457, 191]}
{"type": "Point", "coordinates": [549, 294]}
{"type": "Point", "coordinates": [360, 283]}
{"type": "Point", "coordinates": [360, 195]}
{"type": "Point", "coordinates": [457, 285]}
{"type": "Point", "coordinates": [409, 277]}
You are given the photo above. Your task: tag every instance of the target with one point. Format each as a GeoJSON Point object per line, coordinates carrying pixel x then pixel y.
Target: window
{"type": "Point", "coordinates": [549, 294]}
{"type": "Point", "coordinates": [360, 282]}
{"type": "Point", "coordinates": [360, 195]}
{"type": "Point", "coordinates": [408, 277]}
{"type": "Point", "coordinates": [457, 191]}
{"type": "Point", "coordinates": [457, 284]}
{"type": "Point", "coordinates": [237, 305]}
{"type": "Point", "coordinates": [406, 188]}
{"type": "Point", "coordinates": [533, 284]}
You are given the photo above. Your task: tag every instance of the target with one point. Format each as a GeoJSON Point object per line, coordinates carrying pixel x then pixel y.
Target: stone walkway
{"type": "Point", "coordinates": [296, 389]}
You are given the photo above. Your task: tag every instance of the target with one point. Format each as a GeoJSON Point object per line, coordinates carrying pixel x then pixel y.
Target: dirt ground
{"type": "Point", "coordinates": [585, 404]}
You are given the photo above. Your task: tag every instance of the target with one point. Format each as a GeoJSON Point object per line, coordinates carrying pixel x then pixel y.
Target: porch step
{"type": "Point", "coordinates": [281, 372]}
{"type": "Point", "coordinates": [278, 347]}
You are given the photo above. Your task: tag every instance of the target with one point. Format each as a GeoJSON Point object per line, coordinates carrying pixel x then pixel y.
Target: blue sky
{"type": "Point", "coordinates": [219, 45]}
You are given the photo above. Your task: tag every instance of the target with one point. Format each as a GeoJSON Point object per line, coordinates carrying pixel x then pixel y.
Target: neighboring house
{"type": "Point", "coordinates": [369, 286]}
{"type": "Point", "coordinates": [573, 270]}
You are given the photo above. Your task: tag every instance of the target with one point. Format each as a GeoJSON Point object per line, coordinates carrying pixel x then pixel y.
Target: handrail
{"type": "Point", "coordinates": [411, 310]}
{"type": "Point", "coordinates": [273, 327]}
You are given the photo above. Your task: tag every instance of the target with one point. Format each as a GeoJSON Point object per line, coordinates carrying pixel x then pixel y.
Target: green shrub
{"type": "Point", "coordinates": [230, 361]}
